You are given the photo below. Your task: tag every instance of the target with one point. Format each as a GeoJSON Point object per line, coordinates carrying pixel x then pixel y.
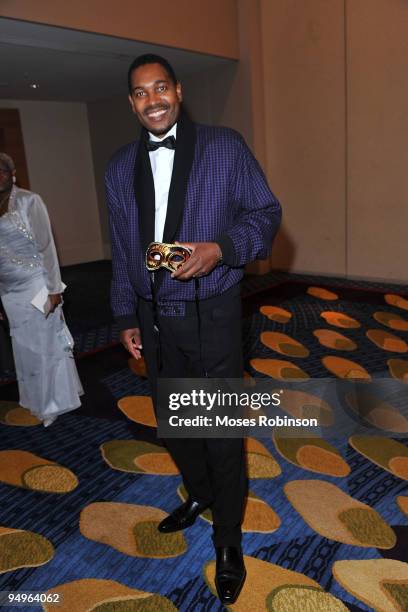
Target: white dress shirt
{"type": "Point", "coordinates": [161, 162]}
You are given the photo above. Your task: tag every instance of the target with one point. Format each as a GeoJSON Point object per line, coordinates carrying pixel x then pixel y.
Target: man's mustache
{"type": "Point", "coordinates": [157, 107]}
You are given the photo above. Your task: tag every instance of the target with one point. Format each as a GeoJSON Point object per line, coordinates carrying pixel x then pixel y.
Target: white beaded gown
{"type": "Point", "coordinates": [47, 377]}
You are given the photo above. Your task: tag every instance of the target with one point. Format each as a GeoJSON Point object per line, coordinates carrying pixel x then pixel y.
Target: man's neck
{"type": "Point", "coordinates": [171, 132]}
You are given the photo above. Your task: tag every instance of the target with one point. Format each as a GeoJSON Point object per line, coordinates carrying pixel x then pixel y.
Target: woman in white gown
{"type": "Point", "coordinates": [48, 381]}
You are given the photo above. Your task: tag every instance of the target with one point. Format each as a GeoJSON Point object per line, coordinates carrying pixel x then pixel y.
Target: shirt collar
{"type": "Point", "coordinates": [171, 132]}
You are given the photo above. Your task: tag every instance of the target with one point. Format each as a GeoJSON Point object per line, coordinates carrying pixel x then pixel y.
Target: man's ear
{"type": "Point", "coordinates": [179, 92]}
{"type": "Point", "coordinates": [131, 103]}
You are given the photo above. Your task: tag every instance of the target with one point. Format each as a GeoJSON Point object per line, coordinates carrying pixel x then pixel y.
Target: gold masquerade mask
{"type": "Point", "coordinates": [170, 256]}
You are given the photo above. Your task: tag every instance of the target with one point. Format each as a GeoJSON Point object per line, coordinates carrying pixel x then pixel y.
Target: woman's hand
{"type": "Point", "coordinates": [55, 300]}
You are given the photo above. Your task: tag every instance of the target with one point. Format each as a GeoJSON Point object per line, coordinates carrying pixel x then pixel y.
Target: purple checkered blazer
{"type": "Point", "coordinates": [218, 193]}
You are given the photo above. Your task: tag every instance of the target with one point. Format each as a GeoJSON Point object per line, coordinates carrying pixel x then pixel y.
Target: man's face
{"type": "Point", "coordinates": [6, 178]}
{"type": "Point", "coordinates": [154, 98]}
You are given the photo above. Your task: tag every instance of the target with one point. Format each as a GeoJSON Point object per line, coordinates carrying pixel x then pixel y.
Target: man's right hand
{"type": "Point", "coordinates": [131, 340]}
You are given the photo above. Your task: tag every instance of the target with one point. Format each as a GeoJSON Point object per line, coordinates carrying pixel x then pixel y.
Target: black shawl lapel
{"type": "Point", "coordinates": [144, 192]}
{"type": "Point", "coordinates": [183, 161]}
{"type": "Point", "coordinates": [144, 187]}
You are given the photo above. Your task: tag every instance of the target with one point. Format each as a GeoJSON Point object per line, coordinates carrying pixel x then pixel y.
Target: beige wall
{"type": "Point", "coordinates": [336, 99]}
{"type": "Point", "coordinates": [377, 58]}
{"type": "Point", "coordinates": [111, 125]}
{"type": "Point", "coordinates": [303, 64]}
{"type": "Point", "coordinates": [207, 26]}
{"type": "Point", "coordinates": [59, 160]}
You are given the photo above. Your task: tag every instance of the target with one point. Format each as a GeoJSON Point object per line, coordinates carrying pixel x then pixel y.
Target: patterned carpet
{"type": "Point", "coordinates": [326, 525]}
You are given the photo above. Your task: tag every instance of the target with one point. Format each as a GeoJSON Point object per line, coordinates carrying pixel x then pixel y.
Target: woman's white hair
{"type": "Point", "coordinates": [6, 159]}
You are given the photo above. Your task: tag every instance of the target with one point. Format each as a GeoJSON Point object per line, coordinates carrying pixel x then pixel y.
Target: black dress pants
{"type": "Point", "coordinates": [213, 469]}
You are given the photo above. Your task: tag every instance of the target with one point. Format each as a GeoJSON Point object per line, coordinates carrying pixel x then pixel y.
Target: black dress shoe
{"type": "Point", "coordinates": [182, 517]}
{"type": "Point", "coordinates": [230, 573]}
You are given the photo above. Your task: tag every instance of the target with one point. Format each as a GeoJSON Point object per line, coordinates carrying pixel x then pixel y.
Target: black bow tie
{"type": "Point", "coordinates": [169, 143]}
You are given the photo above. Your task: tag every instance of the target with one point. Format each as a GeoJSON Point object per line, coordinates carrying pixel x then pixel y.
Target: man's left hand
{"type": "Point", "coordinates": [55, 299]}
{"type": "Point", "coordinates": [203, 259]}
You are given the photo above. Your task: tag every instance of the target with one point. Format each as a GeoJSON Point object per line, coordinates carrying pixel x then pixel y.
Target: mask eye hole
{"type": "Point", "coordinates": [156, 256]}
{"type": "Point", "coordinates": [177, 258]}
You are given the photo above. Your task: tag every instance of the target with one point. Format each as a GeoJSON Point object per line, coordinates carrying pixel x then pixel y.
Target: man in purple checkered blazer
{"type": "Point", "coordinates": [199, 186]}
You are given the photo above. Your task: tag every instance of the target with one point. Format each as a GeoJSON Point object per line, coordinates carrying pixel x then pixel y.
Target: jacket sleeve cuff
{"type": "Point", "coordinates": [126, 322]}
{"type": "Point", "coordinates": [227, 249]}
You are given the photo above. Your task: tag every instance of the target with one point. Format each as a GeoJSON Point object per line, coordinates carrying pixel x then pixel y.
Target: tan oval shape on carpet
{"type": "Point", "coordinates": [391, 320]}
{"type": "Point", "coordinates": [138, 457]}
{"type": "Point", "coordinates": [258, 516]}
{"type": "Point", "coordinates": [402, 501]}
{"type": "Point", "coordinates": [313, 454]}
{"type": "Point", "coordinates": [322, 294]}
{"type": "Point", "coordinates": [91, 594]}
{"type": "Point", "coordinates": [382, 584]}
{"type": "Point", "coordinates": [24, 469]}
{"type": "Point", "coordinates": [50, 479]}
{"type": "Point", "coordinates": [260, 462]}
{"type": "Point", "coordinates": [398, 369]}
{"type": "Point", "coordinates": [138, 408]}
{"type": "Point", "coordinates": [283, 344]}
{"type": "Point", "coordinates": [340, 319]}
{"type": "Point", "coordinates": [337, 516]}
{"type": "Point", "coordinates": [277, 368]}
{"type": "Point", "coordinates": [263, 581]}
{"type": "Point", "coordinates": [377, 412]}
{"type": "Point", "coordinates": [334, 340]}
{"type": "Point", "coordinates": [344, 368]}
{"type": "Point", "coordinates": [386, 341]}
{"type": "Point", "coordinates": [274, 313]}
{"type": "Point", "coordinates": [301, 599]}
{"type": "Point", "coordinates": [20, 548]}
{"type": "Point", "coordinates": [303, 405]}
{"type": "Point", "coordinates": [130, 529]}
{"type": "Point", "coordinates": [384, 452]}
{"type": "Point", "coordinates": [138, 366]}
{"type": "Point", "coordinates": [11, 413]}
{"type": "Point", "coordinates": [396, 300]}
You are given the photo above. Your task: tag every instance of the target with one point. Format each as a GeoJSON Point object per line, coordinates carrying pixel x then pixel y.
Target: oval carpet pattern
{"type": "Point", "coordinates": [313, 454]}
{"type": "Point", "coordinates": [380, 583]}
{"type": "Point", "coordinates": [138, 457]}
{"type": "Point", "coordinates": [20, 548]}
{"type": "Point", "coordinates": [131, 529]}
{"type": "Point", "coordinates": [106, 596]}
{"type": "Point", "coordinates": [377, 412]}
{"type": "Point", "coordinates": [138, 366]}
{"type": "Point", "coordinates": [269, 587]}
{"type": "Point", "coordinates": [340, 319]}
{"type": "Point", "coordinates": [386, 341]}
{"type": "Point", "coordinates": [23, 469]}
{"type": "Point", "coordinates": [398, 369]}
{"type": "Point", "coordinates": [11, 413]}
{"type": "Point", "coordinates": [391, 320]}
{"type": "Point", "coordinates": [260, 462]}
{"type": "Point", "coordinates": [138, 408]}
{"type": "Point", "coordinates": [303, 405]}
{"type": "Point", "coordinates": [396, 300]}
{"type": "Point", "coordinates": [344, 368]}
{"type": "Point", "coordinates": [322, 294]}
{"type": "Point", "coordinates": [278, 368]}
{"type": "Point", "coordinates": [274, 313]}
{"type": "Point", "coordinates": [283, 344]}
{"type": "Point", "coordinates": [384, 452]}
{"type": "Point", "coordinates": [337, 516]}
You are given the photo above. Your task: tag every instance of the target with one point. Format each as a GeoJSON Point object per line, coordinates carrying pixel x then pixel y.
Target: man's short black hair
{"type": "Point", "coordinates": [150, 58]}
